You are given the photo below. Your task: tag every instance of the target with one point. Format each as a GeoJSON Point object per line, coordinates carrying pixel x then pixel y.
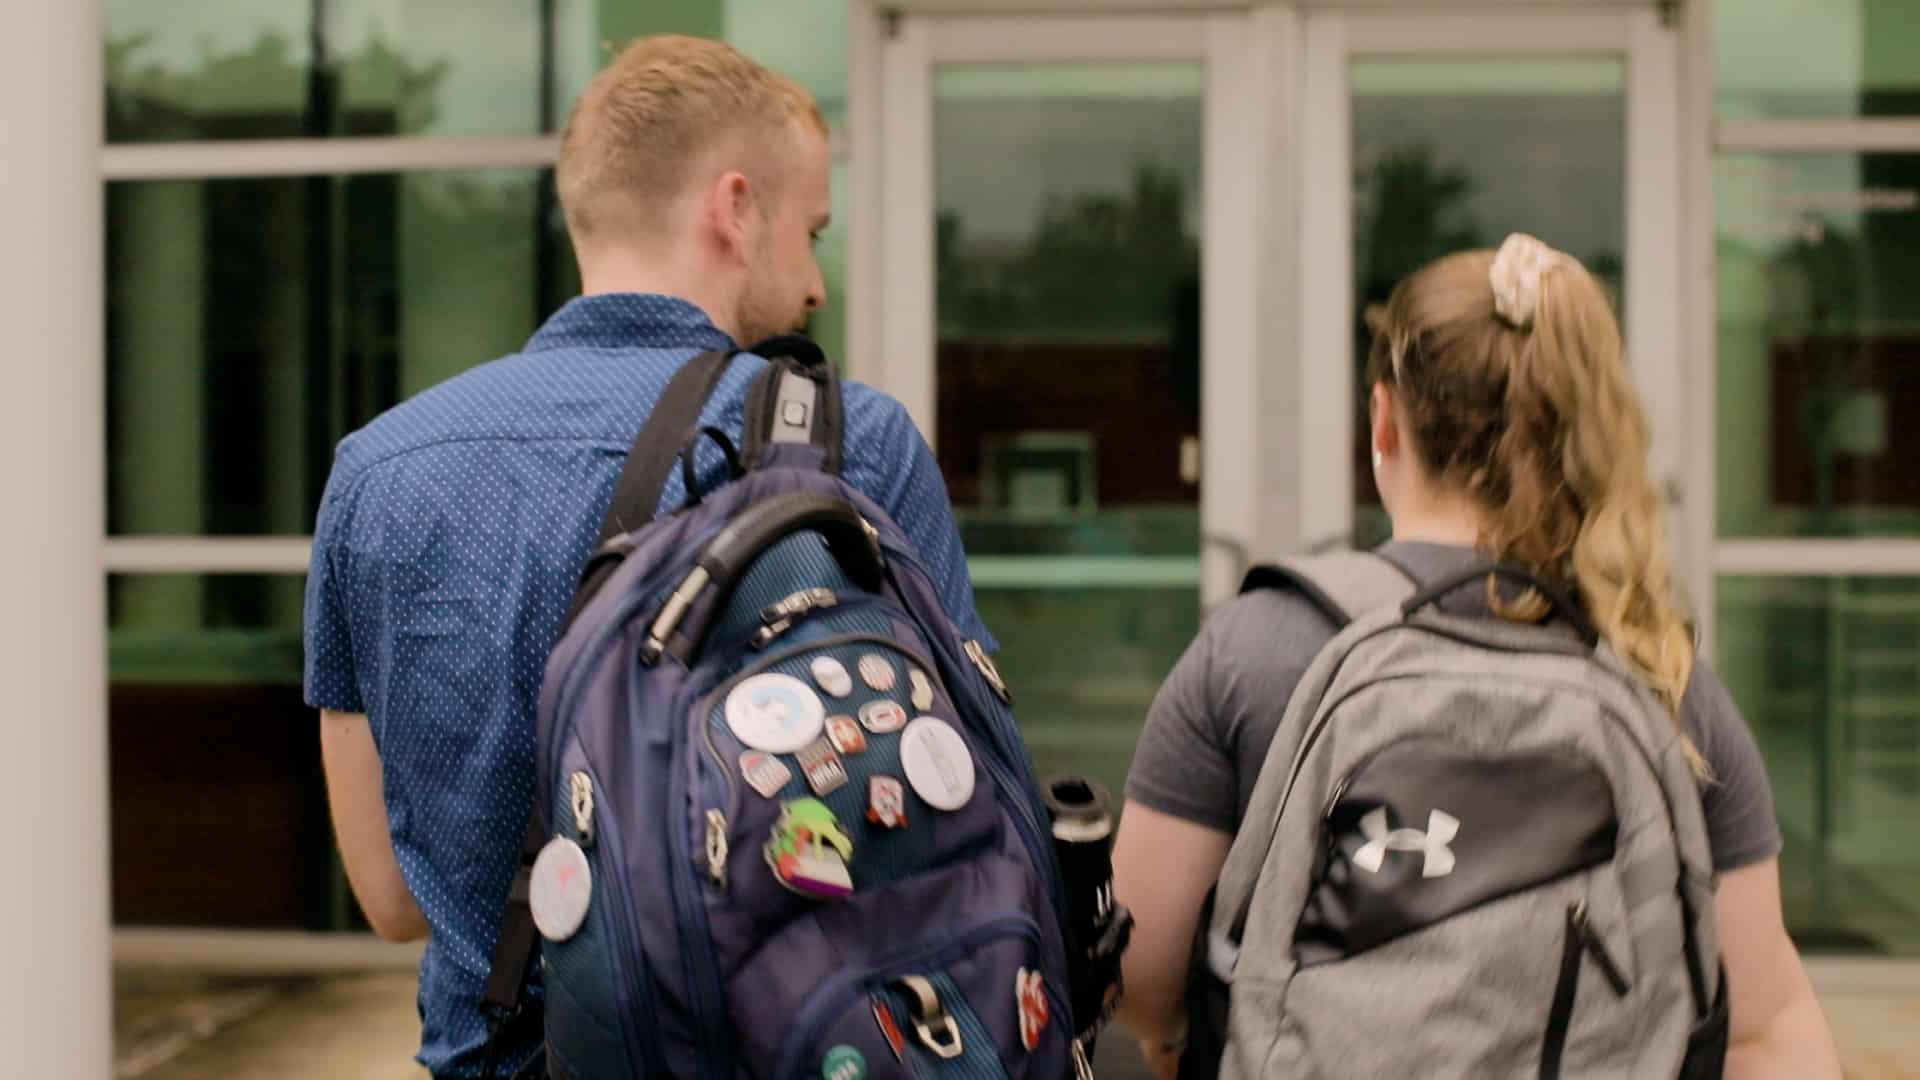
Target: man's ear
{"type": "Point", "coordinates": [731, 215]}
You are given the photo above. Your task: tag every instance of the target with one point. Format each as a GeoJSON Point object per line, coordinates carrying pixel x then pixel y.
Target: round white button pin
{"type": "Point", "coordinates": [561, 888]}
{"type": "Point", "coordinates": [937, 763]}
{"type": "Point", "coordinates": [776, 713]}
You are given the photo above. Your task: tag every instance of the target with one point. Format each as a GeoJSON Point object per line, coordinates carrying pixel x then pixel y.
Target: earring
{"type": "Point", "coordinates": [1377, 459]}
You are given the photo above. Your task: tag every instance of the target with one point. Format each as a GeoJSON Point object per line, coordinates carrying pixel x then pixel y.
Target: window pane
{"type": "Point", "coordinates": [1811, 58]}
{"type": "Point", "coordinates": [288, 68]}
{"type": "Point", "coordinates": [1455, 154]}
{"type": "Point", "coordinates": [1084, 662]}
{"type": "Point", "coordinates": [1828, 673]}
{"type": "Point", "coordinates": [1818, 396]}
{"type": "Point", "coordinates": [253, 323]}
{"type": "Point", "coordinates": [219, 809]}
{"type": "Point", "coordinates": [1067, 261]}
{"type": "Point", "coordinates": [247, 68]}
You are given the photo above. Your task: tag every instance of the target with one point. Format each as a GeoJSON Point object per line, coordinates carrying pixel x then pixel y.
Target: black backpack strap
{"type": "Point", "coordinates": [671, 425]}
{"type": "Point", "coordinates": [1343, 585]}
{"type": "Point", "coordinates": [513, 949]}
{"type": "Point", "coordinates": [674, 421]}
{"type": "Point", "coordinates": [796, 400]}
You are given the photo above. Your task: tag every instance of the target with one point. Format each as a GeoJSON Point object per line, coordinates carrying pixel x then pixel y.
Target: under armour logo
{"type": "Point", "coordinates": [1441, 829]}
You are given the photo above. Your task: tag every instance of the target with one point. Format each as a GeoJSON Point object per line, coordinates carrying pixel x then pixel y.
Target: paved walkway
{"type": "Point", "coordinates": [363, 1027]}
{"type": "Point", "coordinates": [341, 1027]}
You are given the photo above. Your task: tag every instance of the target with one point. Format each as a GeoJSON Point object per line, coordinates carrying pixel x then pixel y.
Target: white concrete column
{"type": "Point", "coordinates": [54, 1011]}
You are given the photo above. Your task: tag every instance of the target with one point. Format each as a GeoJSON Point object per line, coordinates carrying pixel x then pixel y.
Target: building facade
{"type": "Point", "coordinates": [1113, 255]}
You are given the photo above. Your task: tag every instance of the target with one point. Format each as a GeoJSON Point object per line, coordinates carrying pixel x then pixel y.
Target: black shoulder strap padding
{"type": "Point", "coordinates": [674, 420]}
{"type": "Point", "coordinates": [513, 949]}
{"type": "Point", "coordinates": [796, 356]}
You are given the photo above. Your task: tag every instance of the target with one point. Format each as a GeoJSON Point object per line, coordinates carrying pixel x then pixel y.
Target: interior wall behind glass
{"type": "Point", "coordinates": [193, 69]}
{"type": "Point", "coordinates": [253, 323]}
{"type": "Point", "coordinates": [1813, 58]}
{"type": "Point", "coordinates": [1818, 351]}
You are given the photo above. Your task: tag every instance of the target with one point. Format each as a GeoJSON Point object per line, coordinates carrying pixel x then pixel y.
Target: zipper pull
{"type": "Point", "coordinates": [582, 788]}
{"type": "Point", "coordinates": [717, 848]}
{"type": "Point", "coordinates": [1333, 800]}
{"type": "Point", "coordinates": [1591, 937]}
{"type": "Point", "coordinates": [978, 654]}
{"type": "Point", "coordinates": [777, 619]}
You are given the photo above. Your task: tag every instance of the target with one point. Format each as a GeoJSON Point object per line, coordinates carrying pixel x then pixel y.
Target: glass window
{"type": "Point", "coordinates": [253, 323]}
{"type": "Point", "coordinates": [1818, 392]}
{"type": "Point", "coordinates": [1815, 58]}
{"type": "Point", "coordinates": [250, 69]}
{"type": "Point", "coordinates": [1452, 154]}
{"type": "Point", "coordinates": [1067, 260]}
{"type": "Point", "coordinates": [219, 810]}
{"type": "Point", "coordinates": [1828, 672]}
{"type": "Point", "coordinates": [805, 40]}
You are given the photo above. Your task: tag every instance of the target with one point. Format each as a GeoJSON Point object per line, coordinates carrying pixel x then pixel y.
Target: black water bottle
{"type": "Point", "coordinates": [1097, 927]}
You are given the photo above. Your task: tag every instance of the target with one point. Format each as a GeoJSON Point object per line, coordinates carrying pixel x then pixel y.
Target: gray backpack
{"type": "Point", "coordinates": [1475, 850]}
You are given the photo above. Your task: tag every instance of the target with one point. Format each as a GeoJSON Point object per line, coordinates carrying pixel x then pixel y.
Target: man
{"type": "Point", "coordinates": [694, 183]}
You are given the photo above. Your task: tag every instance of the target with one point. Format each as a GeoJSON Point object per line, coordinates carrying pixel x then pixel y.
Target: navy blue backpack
{"type": "Point", "coordinates": [785, 825]}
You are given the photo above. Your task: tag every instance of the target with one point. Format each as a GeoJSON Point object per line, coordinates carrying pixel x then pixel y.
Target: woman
{"type": "Point", "coordinates": [1504, 425]}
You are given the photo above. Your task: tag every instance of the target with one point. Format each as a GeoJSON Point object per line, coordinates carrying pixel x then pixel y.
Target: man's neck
{"type": "Point", "coordinates": [606, 275]}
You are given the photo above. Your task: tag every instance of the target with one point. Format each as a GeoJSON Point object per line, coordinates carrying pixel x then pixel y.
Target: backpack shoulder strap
{"type": "Point", "coordinates": [795, 400]}
{"type": "Point", "coordinates": [1344, 585]}
{"type": "Point", "coordinates": [673, 421]}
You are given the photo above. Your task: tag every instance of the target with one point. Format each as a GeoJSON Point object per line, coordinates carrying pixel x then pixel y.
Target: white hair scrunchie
{"type": "Point", "coordinates": [1516, 274]}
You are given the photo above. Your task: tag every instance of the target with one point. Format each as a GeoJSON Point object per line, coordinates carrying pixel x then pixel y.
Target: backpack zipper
{"type": "Point", "coordinates": [1014, 761]}
{"type": "Point", "coordinates": [1595, 945]}
{"type": "Point", "coordinates": [626, 987]}
{"type": "Point", "coordinates": [822, 1003]}
{"type": "Point", "coordinates": [701, 965]}
{"type": "Point", "coordinates": [1581, 940]}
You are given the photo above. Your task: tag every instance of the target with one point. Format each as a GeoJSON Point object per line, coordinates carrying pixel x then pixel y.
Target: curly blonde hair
{"type": "Point", "coordinates": [1539, 422]}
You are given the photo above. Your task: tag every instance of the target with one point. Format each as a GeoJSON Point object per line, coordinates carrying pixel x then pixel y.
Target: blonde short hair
{"type": "Point", "coordinates": [648, 120]}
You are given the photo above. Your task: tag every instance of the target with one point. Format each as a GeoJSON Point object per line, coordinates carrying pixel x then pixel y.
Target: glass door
{"type": "Point", "coordinates": [1052, 225]}
{"type": "Point", "coordinates": [1430, 133]}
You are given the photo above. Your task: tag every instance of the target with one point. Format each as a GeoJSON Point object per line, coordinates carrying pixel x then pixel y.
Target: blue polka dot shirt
{"type": "Point", "coordinates": [447, 546]}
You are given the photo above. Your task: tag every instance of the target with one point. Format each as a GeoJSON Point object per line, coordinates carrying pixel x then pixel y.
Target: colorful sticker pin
{"type": "Point", "coordinates": [843, 1063]}
{"type": "Point", "coordinates": [809, 852]}
{"type": "Point", "coordinates": [846, 735]}
{"type": "Point", "coordinates": [883, 716]}
{"type": "Point", "coordinates": [764, 773]}
{"type": "Point", "coordinates": [1030, 992]}
{"type": "Point", "coordinates": [822, 767]}
{"type": "Point", "coordinates": [889, 1028]}
{"type": "Point", "coordinates": [877, 672]}
{"type": "Point", "coordinates": [886, 802]}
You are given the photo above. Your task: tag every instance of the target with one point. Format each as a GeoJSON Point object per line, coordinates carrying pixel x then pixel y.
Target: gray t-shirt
{"type": "Point", "coordinates": [1214, 720]}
